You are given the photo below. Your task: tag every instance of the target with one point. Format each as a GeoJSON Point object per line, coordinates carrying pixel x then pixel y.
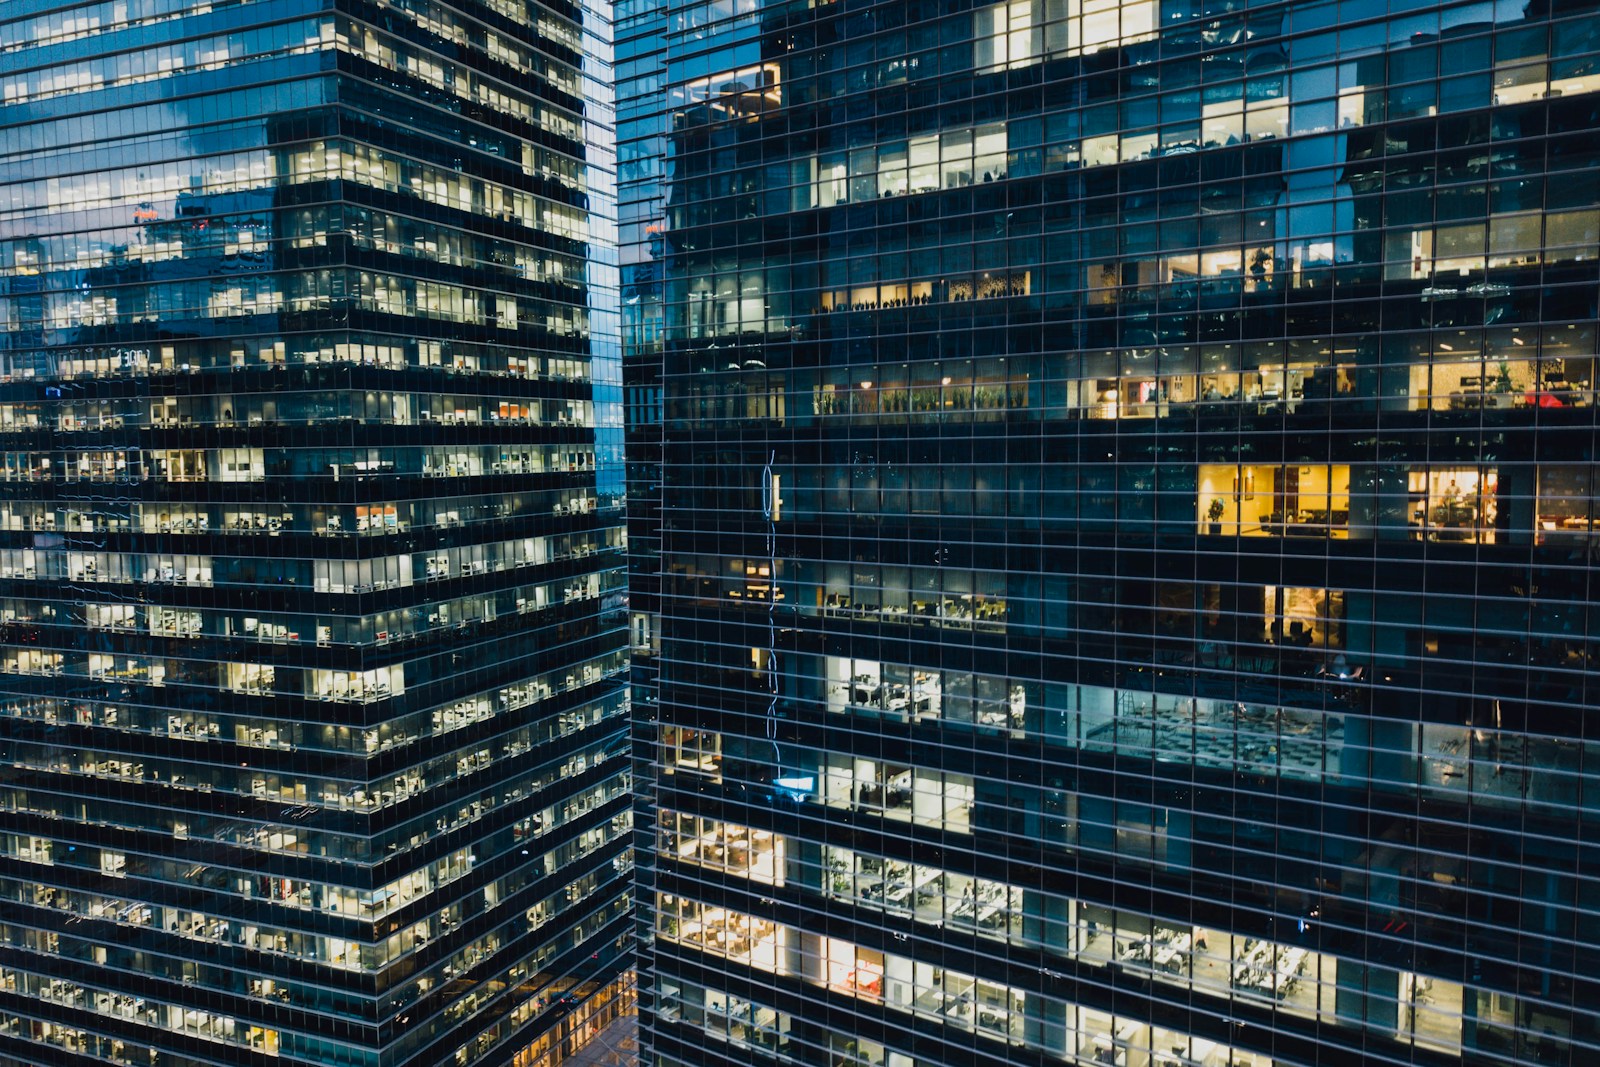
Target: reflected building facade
{"type": "Point", "coordinates": [641, 152]}
{"type": "Point", "coordinates": [312, 699]}
{"type": "Point", "coordinates": [1127, 535]}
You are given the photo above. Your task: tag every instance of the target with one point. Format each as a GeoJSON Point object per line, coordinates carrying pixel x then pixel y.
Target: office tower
{"type": "Point", "coordinates": [1127, 535]}
{"type": "Point", "coordinates": [314, 718]}
{"type": "Point", "coordinates": [641, 149]}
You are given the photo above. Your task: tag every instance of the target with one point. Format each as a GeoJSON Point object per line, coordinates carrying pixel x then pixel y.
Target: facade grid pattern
{"type": "Point", "coordinates": [1127, 530]}
{"type": "Point", "coordinates": [313, 708]}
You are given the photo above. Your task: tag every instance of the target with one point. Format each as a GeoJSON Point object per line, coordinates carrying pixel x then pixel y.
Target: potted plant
{"type": "Point", "coordinates": [1502, 384]}
{"type": "Point", "coordinates": [1214, 513]}
{"type": "Point", "coordinates": [841, 876]}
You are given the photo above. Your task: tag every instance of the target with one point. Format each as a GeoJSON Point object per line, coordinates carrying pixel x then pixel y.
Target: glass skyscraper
{"type": "Point", "coordinates": [1128, 535]}
{"type": "Point", "coordinates": [313, 719]}
{"type": "Point", "coordinates": [641, 152]}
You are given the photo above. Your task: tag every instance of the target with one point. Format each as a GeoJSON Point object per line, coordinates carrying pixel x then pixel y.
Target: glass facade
{"type": "Point", "coordinates": [641, 150]}
{"type": "Point", "coordinates": [313, 714]}
{"type": "Point", "coordinates": [1127, 534]}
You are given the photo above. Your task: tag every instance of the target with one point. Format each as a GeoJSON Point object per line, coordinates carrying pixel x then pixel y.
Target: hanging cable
{"type": "Point", "coordinates": [768, 509]}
